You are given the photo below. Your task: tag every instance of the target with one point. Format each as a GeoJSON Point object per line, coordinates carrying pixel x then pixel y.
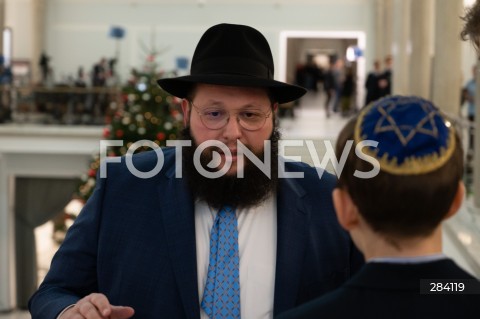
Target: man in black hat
{"type": "Point", "coordinates": [217, 233]}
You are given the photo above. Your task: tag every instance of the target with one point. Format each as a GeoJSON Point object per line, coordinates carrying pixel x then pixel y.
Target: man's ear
{"type": "Point", "coordinates": [347, 211]}
{"type": "Point", "coordinates": [186, 111]}
{"type": "Point", "coordinates": [457, 201]}
{"type": "Point", "coordinates": [275, 107]}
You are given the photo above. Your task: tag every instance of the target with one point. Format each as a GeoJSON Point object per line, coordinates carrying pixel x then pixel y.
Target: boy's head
{"type": "Point", "coordinates": [421, 167]}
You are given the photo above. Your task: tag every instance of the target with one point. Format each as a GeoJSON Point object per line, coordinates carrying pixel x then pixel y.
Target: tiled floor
{"type": "Point", "coordinates": [309, 123]}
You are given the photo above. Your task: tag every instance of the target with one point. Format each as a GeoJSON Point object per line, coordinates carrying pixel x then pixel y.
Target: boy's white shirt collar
{"type": "Point", "coordinates": [409, 260]}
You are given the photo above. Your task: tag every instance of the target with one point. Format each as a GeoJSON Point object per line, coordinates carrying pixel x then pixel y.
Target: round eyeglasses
{"type": "Point", "coordinates": [215, 118]}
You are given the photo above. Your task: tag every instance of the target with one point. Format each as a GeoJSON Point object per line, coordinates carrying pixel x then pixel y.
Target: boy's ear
{"type": "Point", "coordinates": [347, 211]}
{"type": "Point", "coordinates": [186, 111]}
{"type": "Point", "coordinates": [457, 201]}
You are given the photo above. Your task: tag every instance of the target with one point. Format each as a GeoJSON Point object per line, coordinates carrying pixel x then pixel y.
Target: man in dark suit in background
{"type": "Point", "coordinates": [372, 83]}
{"type": "Point", "coordinates": [197, 246]}
{"type": "Point", "coordinates": [385, 78]}
{"type": "Point", "coordinates": [395, 217]}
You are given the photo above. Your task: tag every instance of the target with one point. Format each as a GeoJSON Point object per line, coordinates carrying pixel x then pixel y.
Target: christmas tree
{"type": "Point", "coordinates": [146, 112]}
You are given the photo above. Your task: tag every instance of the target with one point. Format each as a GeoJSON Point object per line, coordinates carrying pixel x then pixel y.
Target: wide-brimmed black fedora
{"type": "Point", "coordinates": [234, 55]}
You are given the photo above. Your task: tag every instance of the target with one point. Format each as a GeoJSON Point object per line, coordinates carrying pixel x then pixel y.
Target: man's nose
{"type": "Point", "coordinates": [232, 130]}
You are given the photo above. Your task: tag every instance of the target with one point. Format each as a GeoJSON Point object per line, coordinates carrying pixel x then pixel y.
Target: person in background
{"type": "Point", "coordinates": [312, 74]}
{"type": "Point", "coordinates": [348, 93]}
{"type": "Point", "coordinates": [99, 73]}
{"type": "Point", "coordinates": [197, 245]}
{"type": "Point", "coordinates": [339, 77]}
{"type": "Point", "coordinates": [44, 63]}
{"type": "Point", "coordinates": [395, 217]}
{"type": "Point", "coordinates": [331, 87]}
{"type": "Point", "coordinates": [385, 79]}
{"type": "Point", "coordinates": [80, 80]}
{"type": "Point", "coordinates": [6, 79]}
{"type": "Point", "coordinates": [372, 85]}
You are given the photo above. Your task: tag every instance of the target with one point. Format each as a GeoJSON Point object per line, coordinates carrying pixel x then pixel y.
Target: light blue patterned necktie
{"type": "Point", "coordinates": [221, 297]}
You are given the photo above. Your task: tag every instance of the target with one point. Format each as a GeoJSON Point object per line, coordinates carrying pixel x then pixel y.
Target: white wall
{"type": "Point", "coordinates": [18, 16]}
{"type": "Point", "coordinates": [77, 30]}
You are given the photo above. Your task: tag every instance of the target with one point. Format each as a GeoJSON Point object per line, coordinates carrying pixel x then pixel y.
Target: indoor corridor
{"type": "Point", "coordinates": [311, 123]}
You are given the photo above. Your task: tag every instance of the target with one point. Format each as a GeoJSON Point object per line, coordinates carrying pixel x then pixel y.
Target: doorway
{"type": "Point", "coordinates": [296, 47]}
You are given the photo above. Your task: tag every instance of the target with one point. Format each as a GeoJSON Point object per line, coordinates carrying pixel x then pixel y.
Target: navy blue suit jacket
{"type": "Point", "coordinates": [135, 242]}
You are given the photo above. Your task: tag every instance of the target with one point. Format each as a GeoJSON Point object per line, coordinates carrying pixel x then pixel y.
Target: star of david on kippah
{"type": "Point", "coordinates": [419, 128]}
{"type": "Point", "coordinates": [413, 136]}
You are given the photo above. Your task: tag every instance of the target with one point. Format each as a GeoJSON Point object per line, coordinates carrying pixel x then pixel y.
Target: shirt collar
{"type": "Point", "coordinates": [409, 260]}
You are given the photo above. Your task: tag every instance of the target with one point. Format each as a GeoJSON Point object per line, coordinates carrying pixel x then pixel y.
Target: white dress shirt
{"type": "Point", "coordinates": [257, 244]}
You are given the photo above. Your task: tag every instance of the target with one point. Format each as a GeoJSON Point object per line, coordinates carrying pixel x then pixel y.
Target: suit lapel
{"type": "Point", "coordinates": [292, 223]}
{"type": "Point", "coordinates": [179, 223]}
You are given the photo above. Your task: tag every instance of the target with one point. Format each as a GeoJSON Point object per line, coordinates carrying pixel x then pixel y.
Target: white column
{"type": "Point", "coordinates": [401, 41]}
{"type": "Point", "coordinates": [38, 36]}
{"type": "Point", "coordinates": [8, 293]}
{"type": "Point", "coordinates": [388, 28]}
{"type": "Point", "coordinates": [421, 34]}
{"type": "Point", "coordinates": [2, 23]}
{"type": "Point", "coordinates": [379, 29]}
{"type": "Point", "coordinates": [447, 81]}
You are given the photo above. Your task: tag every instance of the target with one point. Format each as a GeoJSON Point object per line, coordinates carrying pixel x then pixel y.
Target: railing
{"type": "Point", "coordinates": [466, 130]}
{"type": "Point", "coordinates": [58, 104]}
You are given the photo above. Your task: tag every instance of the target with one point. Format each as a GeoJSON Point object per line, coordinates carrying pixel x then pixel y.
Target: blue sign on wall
{"type": "Point", "coordinates": [182, 63]}
{"type": "Point", "coordinates": [117, 32]}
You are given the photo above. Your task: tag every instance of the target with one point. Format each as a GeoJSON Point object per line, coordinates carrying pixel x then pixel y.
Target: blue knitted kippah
{"type": "Point", "coordinates": [413, 136]}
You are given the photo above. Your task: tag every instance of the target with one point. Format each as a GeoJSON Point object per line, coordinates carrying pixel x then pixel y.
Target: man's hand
{"type": "Point", "coordinates": [97, 306]}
